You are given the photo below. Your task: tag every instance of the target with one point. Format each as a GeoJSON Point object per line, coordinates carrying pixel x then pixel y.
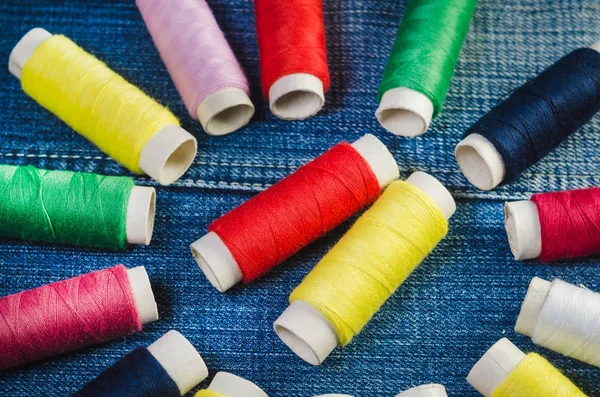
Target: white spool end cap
{"type": "Point", "coordinates": [522, 224]}
{"type": "Point", "coordinates": [231, 385]}
{"type": "Point", "coordinates": [216, 262]}
{"type": "Point", "coordinates": [405, 112]}
{"type": "Point", "coordinates": [432, 390]}
{"type": "Point", "coordinates": [24, 48]}
{"type": "Point", "coordinates": [596, 46]}
{"type": "Point", "coordinates": [142, 294]}
{"type": "Point", "coordinates": [180, 359]}
{"type": "Point", "coordinates": [168, 154]}
{"type": "Point", "coordinates": [480, 162]}
{"type": "Point", "coordinates": [141, 210]}
{"type": "Point", "coordinates": [434, 189]}
{"type": "Point", "coordinates": [495, 365]}
{"type": "Point", "coordinates": [296, 96]}
{"type": "Point", "coordinates": [225, 111]}
{"type": "Point", "coordinates": [379, 158]}
{"type": "Point", "coordinates": [306, 332]}
{"type": "Point", "coordinates": [532, 306]}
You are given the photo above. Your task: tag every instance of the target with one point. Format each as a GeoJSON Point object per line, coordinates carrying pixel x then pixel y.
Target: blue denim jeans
{"type": "Point", "coordinates": [462, 299]}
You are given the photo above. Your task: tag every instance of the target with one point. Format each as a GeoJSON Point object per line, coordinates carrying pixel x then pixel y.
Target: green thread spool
{"type": "Point", "coordinates": [75, 208]}
{"type": "Point", "coordinates": [422, 62]}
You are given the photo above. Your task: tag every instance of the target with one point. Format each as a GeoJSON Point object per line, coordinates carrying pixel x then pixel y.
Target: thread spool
{"type": "Point", "coordinates": [144, 137]}
{"type": "Point", "coordinates": [421, 64]}
{"type": "Point", "coordinates": [562, 317]}
{"type": "Point", "coordinates": [225, 384]}
{"type": "Point", "coordinates": [431, 390]}
{"type": "Point", "coordinates": [171, 366]}
{"type": "Point", "coordinates": [487, 155]}
{"type": "Point", "coordinates": [554, 226]}
{"type": "Point", "coordinates": [310, 332]}
{"type": "Point", "coordinates": [218, 262]}
{"type": "Point", "coordinates": [74, 313]}
{"type": "Point", "coordinates": [201, 63]}
{"type": "Point", "coordinates": [293, 56]}
{"type": "Point", "coordinates": [505, 371]}
{"type": "Point", "coordinates": [74, 208]}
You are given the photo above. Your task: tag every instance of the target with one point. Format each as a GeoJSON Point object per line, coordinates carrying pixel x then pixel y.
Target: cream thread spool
{"type": "Point", "coordinates": [566, 336]}
{"type": "Point", "coordinates": [495, 365]}
{"type": "Point", "coordinates": [311, 335]}
{"type": "Point", "coordinates": [230, 385]}
{"type": "Point", "coordinates": [404, 111]}
{"type": "Point", "coordinates": [143, 296]}
{"type": "Point", "coordinates": [431, 390]}
{"type": "Point", "coordinates": [217, 262]}
{"type": "Point", "coordinates": [296, 96]}
{"type": "Point", "coordinates": [166, 156]}
{"type": "Point", "coordinates": [479, 160]}
{"type": "Point", "coordinates": [180, 359]}
{"type": "Point", "coordinates": [522, 224]}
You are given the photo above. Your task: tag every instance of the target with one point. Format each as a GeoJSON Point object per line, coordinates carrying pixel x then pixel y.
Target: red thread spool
{"type": "Point", "coordinates": [269, 228]}
{"type": "Point", "coordinates": [555, 226]}
{"type": "Point", "coordinates": [293, 56]}
{"type": "Point", "coordinates": [70, 314]}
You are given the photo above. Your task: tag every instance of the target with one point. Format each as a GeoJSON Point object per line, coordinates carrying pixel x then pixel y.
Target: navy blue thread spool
{"type": "Point", "coordinates": [170, 367]}
{"type": "Point", "coordinates": [533, 121]}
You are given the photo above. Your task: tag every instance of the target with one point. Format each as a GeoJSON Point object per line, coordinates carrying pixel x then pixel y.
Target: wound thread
{"type": "Point", "coordinates": [536, 377]}
{"type": "Point", "coordinates": [93, 100]}
{"type": "Point", "coordinates": [138, 374]}
{"type": "Point", "coordinates": [541, 114]}
{"type": "Point", "coordinates": [569, 322]}
{"type": "Point", "coordinates": [291, 39]}
{"type": "Point", "coordinates": [427, 48]}
{"type": "Point", "coordinates": [194, 49]}
{"type": "Point", "coordinates": [208, 393]}
{"type": "Point", "coordinates": [64, 207]}
{"type": "Point", "coordinates": [569, 223]}
{"type": "Point", "coordinates": [65, 316]}
{"type": "Point", "coordinates": [304, 206]}
{"type": "Point", "coordinates": [383, 247]}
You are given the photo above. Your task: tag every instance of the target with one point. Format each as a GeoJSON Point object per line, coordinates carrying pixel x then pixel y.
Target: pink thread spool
{"type": "Point", "coordinates": [201, 63]}
{"type": "Point", "coordinates": [74, 313]}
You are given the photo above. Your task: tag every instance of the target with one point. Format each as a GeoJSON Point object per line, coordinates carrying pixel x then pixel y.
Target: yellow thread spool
{"type": "Point", "coordinates": [505, 371]}
{"type": "Point", "coordinates": [225, 384]}
{"type": "Point", "coordinates": [209, 393]}
{"type": "Point", "coordinates": [102, 106]}
{"type": "Point", "coordinates": [365, 267]}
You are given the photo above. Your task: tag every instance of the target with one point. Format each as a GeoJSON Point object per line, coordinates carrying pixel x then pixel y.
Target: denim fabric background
{"type": "Point", "coordinates": [462, 299]}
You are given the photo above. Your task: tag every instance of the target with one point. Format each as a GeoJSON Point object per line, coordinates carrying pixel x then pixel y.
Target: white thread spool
{"type": "Point", "coordinates": [215, 259]}
{"type": "Point", "coordinates": [431, 390]}
{"type": "Point", "coordinates": [479, 160]}
{"type": "Point", "coordinates": [230, 385]}
{"type": "Point", "coordinates": [296, 96]}
{"type": "Point", "coordinates": [305, 330]}
{"type": "Point", "coordinates": [404, 111]}
{"type": "Point", "coordinates": [225, 111]}
{"type": "Point", "coordinates": [166, 156]}
{"type": "Point", "coordinates": [142, 294]}
{"type": "Point", "coordinates": [495, 365]}
{"type": "Point", "coordinates": [180, 359]}
{"type": "Point", "coordinates": [561, 317]}
{"type": "Point", "coordinates": [522, 224]}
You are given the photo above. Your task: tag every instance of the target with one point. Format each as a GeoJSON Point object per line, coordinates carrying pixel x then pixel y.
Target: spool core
{"type": "Point", "coordinates": [141, 210]}
{"type": "Point", "coordinates": [495, 365]}
{"type": "Point", "coordinates": [532, 306]}
{"type": "Point", "coordinates": [431, 390]}
{"type": "Point", "coordinates": [225, 111]}
{"type": "Point", "coordinates": [305, 330]}
{"type": "Point", "coordinates": [143, 296]}
{"type": "Point", "coordinates": [215, 259]}
{"type": "Point", "coordinates": [480, 162]}
{"type": "Point", "coordinates": [231, 385]}
{"type": "Point", "coordinates": [522, 224]}
{"type": "Point", "coordinates": [296, 96]}
{"type": "Point", "coordinates": [180, 359]}
{"type": "Point", "coordinates": [166, 156]}
{"type": "Point", "coordinates": [404, 111]}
